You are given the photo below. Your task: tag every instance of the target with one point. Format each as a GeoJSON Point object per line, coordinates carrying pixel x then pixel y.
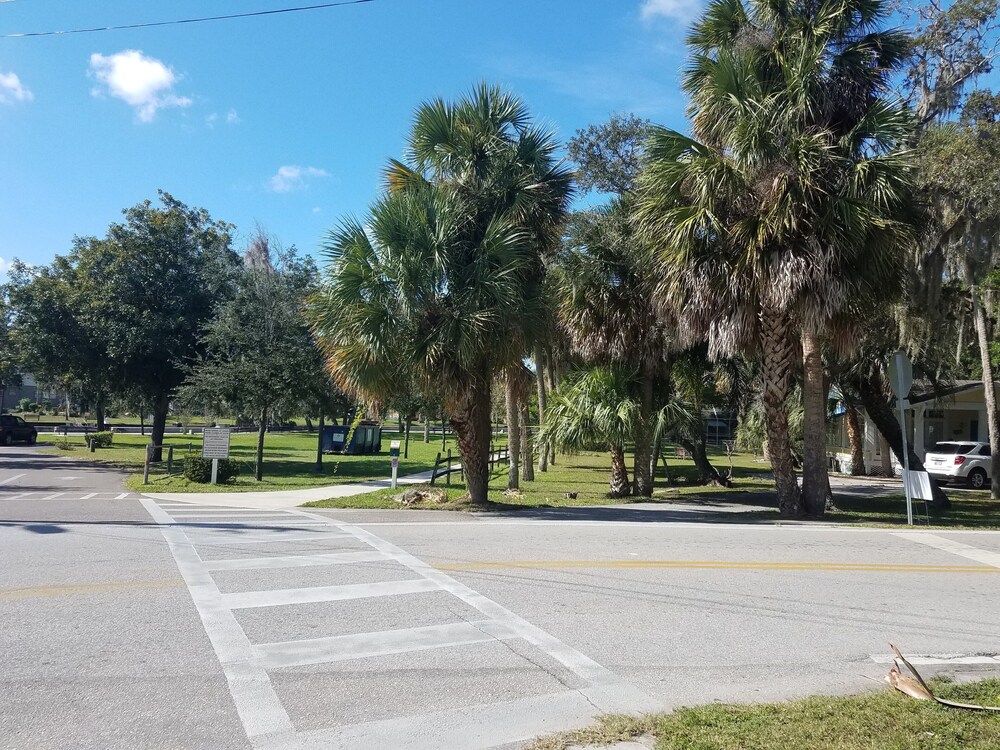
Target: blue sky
{"type": "Point", "coordinates": [287, 120]}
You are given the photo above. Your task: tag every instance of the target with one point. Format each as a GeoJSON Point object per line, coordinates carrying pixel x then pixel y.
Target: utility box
{"type": "Point", "coordinates": [366, 441]}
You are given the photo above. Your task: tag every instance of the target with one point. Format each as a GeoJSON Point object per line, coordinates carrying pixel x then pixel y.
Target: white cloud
{"type": "Point", "coordinates": [289, 178]}
{"type": "Point", "coordinates": [231, 118]}
{"type": "Point", "coordinates": [144, 83]}
{"type": "Point", "coordinates": [680, 10]}
{"type": "Point", "coordinates": [12, 90]}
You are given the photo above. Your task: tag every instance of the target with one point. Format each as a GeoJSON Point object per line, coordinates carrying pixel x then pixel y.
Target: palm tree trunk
{"type": "Point", "coordinates": [707, 474]}
{"type": "Point", "coordinates": [654, 458]}
{"type": "Point", "coordinates": [778, 359]}
{"type": "Point", "coordinates": [619, 473]}
{"type": "Point", "coordinates": [814, 466]}
{"type": "Point", "coordinates": [989, 390]}
{"type": "Point", "coordinates": [470, 420]}
{"type": "Point", "coordinates": [642, 484]}
{"type": "Point", "coordinates": [550, 372]}
{"type": "Point", "coordinates": [427, 429]}
{"type": "Point", "coordinates": [513, 432]}
{"type": "Point", "coordinates": [882, 415]}
{"type": "Point", "coordinates": [543, 449]}
{"type": "Point", "coordinates": [527, 458]}
{"type": "Point", "coordinates": [857, 440]}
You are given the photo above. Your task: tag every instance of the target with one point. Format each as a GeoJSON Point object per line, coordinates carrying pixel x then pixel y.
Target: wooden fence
{"type": "Point", "coordinates": [444, 467]}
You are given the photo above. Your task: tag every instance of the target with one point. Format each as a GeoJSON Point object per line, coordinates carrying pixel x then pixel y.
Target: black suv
{"type": "Point", "coordinates": [14, 428]}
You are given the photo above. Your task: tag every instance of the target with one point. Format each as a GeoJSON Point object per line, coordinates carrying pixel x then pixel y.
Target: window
{"type": "Point", "coordinates": [948, 449]}
{"type": "Point", "coordinates": [20, 422]}
{"type": "Point", "coordinates": [985, 451]}
{"type": "Point", "coordinates": [953, 449]}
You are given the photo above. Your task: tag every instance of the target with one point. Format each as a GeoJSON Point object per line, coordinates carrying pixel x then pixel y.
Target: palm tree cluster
{"type": "Point", "coordinates": [774, 253]}
{"type": "Point", "coordinates": [789, 204]}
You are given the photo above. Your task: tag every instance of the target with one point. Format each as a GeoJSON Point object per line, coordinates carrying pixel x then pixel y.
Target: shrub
{"type": "Point", "coordinates": [64, 444]}
{"type": "Point", "coordinates": [24, 405]}
{"type": "Point", "coordinates": [199, 470]}
{"type": "Point", "coordinates": [102, 439]}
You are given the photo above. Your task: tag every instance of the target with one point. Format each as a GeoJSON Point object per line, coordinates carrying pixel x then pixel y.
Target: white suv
{"type": "Point", "coordinates": [960, 461]}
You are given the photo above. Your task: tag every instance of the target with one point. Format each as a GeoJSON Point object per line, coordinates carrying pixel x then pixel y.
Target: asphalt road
{"type": "Point", "coordinates": [131, 622]}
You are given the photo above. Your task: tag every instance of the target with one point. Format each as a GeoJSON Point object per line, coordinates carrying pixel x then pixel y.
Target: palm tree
{"type": "Point", "coordinates": [446, 281]}
{"type": "Point", "coordinates": [598, 407]}
{"type": "Point", "coordinates": [606, 304]}
{"type": "Point", "coordinates": [792, 200]}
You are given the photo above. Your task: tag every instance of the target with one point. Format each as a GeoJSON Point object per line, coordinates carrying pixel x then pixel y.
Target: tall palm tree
{"type": "Point", "coordinates": [447, 282]}
{"type": "Point", "coordinates": [606, 304]}
{"type": "Point", "coordinates": [792, 199]}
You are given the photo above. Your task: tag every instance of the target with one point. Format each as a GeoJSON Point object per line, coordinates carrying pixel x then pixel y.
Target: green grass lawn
{"type": "Point", "coordinates": [886, 720]}
{"type": "Point", "coordinates": [969, 510]}
{"type": "Point", "coordinates": [587, 475]}
{"type": "Point", "coordinates": [289, 461]}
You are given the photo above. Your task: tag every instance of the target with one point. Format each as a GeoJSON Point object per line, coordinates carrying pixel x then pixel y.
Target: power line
{"type": "Point", "coordinates": [188, 20]}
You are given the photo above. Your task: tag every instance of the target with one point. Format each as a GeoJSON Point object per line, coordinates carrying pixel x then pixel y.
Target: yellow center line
{"type": "Point", "coordinates": [712, 565]}
{"type": "Point", "coordinates": [39, 592]}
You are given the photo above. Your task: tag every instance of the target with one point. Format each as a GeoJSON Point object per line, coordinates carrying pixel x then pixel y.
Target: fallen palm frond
{"type": "Point", "coordinates": [915, 687]}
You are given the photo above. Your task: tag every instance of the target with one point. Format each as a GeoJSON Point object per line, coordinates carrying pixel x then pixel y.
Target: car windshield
{"type": "Point", "coordinates": [953, 449]}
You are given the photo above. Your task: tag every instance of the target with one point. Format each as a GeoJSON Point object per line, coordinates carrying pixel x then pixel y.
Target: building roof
{"type": "Point", "coordinates": [924, 390]}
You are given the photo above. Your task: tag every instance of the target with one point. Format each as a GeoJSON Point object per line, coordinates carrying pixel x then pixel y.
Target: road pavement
{"type": "Point", "coordinates": [142, 622]}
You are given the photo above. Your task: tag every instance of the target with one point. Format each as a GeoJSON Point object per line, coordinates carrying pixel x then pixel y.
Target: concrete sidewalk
{"type": "Point", "coordinates": [285, 498]}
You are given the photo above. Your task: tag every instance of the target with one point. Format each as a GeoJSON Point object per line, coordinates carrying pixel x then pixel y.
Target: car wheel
{"type": "Point", "coordinates": [978, 479]}
{"type": "Point", "coordinates": [8, 439]}
{"type": "Point", "coordinates": [32, 438]}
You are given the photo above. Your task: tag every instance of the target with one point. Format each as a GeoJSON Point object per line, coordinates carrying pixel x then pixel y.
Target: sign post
{"type": "Point", "coordinates": [901, 380]}
{"type": "Point", "coordinates": [215, 445]}
{"type": "Point", "coordinates": [394, 454]}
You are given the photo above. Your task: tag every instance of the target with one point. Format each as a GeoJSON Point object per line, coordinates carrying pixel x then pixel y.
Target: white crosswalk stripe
{"type": "Point", "coordinates": [69, 496]}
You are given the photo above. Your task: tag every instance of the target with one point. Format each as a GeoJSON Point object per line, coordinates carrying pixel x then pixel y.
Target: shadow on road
{"type": "Point", "coordinates": [61, 526]}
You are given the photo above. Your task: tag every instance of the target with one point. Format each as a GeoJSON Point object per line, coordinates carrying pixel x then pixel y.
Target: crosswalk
{"type": "Point", "coordinates": [216, 549]}
{"type": "Point", "coordinates": [67, 495]}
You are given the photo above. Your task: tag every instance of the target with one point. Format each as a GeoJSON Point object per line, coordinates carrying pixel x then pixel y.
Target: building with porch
{"type": "Point", "coordinates": [957, 412]}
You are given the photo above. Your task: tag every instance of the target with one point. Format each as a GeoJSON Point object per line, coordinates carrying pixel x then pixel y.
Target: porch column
{"type": "Point", "coordinates": [871, 435]}
{"type": "Point", "coordinates": [983, 433]}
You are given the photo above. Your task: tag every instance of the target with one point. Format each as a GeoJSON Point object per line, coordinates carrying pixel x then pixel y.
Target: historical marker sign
{"type": "Point", "coordinates": [215, 443]}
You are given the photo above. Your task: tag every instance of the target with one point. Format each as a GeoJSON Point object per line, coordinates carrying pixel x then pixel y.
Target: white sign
{"type": "Point", "coordinates": [900, 374]}
{"type": "Point", "coordinates": [919, 485]}
{"type": "Point", "coordinates": [215, 443]}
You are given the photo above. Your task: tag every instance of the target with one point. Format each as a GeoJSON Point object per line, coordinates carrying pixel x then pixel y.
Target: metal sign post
{"type": "Point", "coordinates": [901, 380]}
{"type": "Point", "coordinates": [394, 454]}
{"type": "Point", "coordinates": [215, 445]}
